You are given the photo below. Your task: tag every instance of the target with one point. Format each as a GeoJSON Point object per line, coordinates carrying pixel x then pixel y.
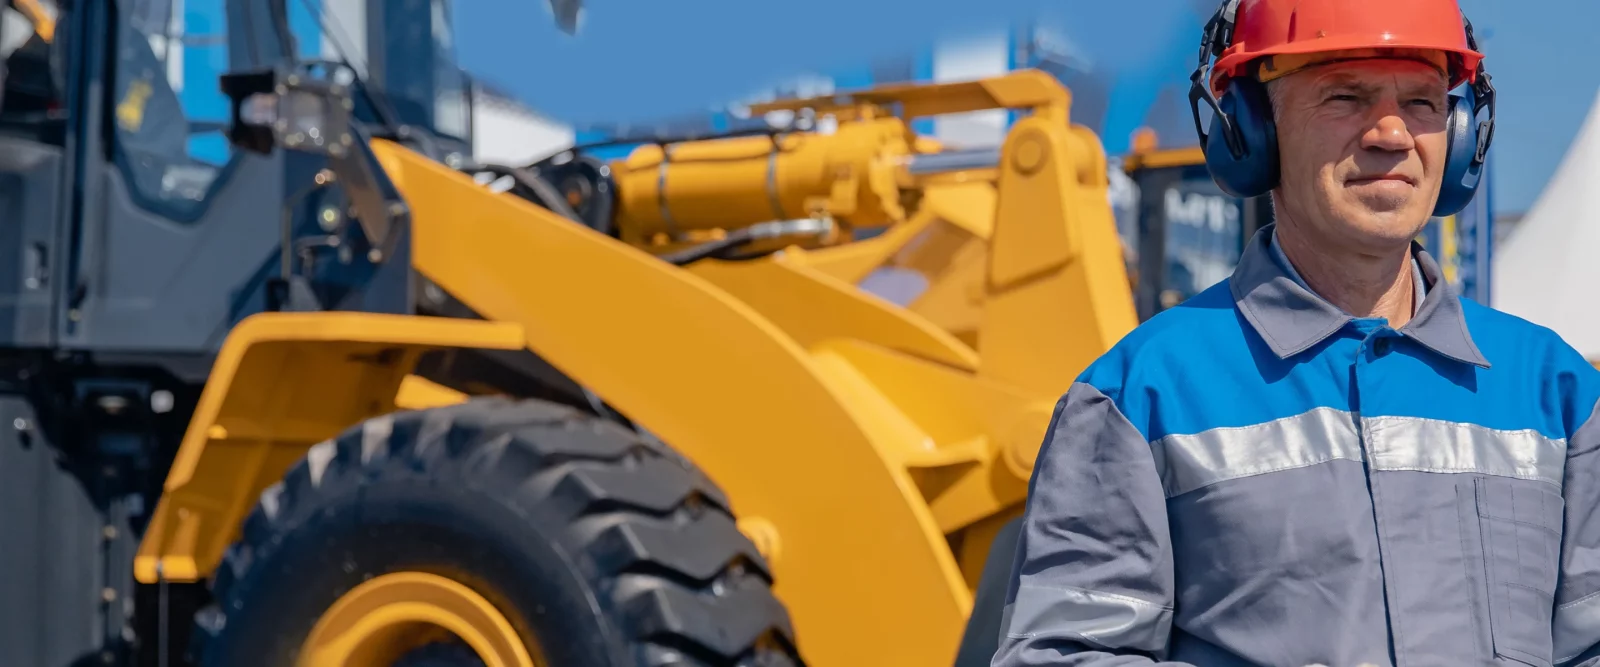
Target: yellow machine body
{"type": "Point", "coordinates": [669, 192]}
{"type": "Point", "coordinates": [871, 448]}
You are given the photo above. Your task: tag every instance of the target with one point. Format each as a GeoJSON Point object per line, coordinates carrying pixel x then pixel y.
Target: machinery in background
{"type": "Point", "coordinates": [1186, 233]}
{"type": "Point", "coordinates": [327, 392]}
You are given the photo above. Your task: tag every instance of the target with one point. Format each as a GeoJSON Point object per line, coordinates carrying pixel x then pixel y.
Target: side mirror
{"type": "Point", "coordinates": [274, 108]}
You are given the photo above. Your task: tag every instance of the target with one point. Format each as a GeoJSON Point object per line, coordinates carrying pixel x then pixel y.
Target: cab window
{"type": "Point", "coordinates": [167, 114]}
{"type": "Point", "coordinates": [31, 74]}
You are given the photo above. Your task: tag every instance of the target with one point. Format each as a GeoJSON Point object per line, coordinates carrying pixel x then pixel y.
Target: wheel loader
{"type": "Point", "coordinates": [344, 396]}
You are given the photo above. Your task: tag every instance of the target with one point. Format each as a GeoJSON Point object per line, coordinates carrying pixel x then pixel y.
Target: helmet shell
{"type": "Point", "coordinates": [1280, 27]}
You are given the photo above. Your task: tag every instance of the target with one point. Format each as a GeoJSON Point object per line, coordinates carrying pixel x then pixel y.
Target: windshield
{"type": "Point", "coordinates": [411, 63]}
{"type": "Point", "coordinates": [32, 80]}
{"type": "Point", "coordinates": [404, 50]}
{"type": "Point", "coordinates": [450, 110]}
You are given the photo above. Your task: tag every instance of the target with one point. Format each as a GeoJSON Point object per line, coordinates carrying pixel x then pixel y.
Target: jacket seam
{"type": "Point", "coordinates": [1468, 555]}
{"type": "Point", "coordinates": [1578, 601]}
{"type": "Point", "coordinates": [1379, 421]}
{"type": "Point", "coordinates": [1468, 471]}
{"type": "Point", "coordinates": [1267, 471]}
{"type": "Point", "coordinates": [1246, 427]}
{"type": "Point", "coordinates": [1385, 535]}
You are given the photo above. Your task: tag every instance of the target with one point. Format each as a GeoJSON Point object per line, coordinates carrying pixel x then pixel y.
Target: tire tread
{"type": "Point", "coordinates": [661, 540]}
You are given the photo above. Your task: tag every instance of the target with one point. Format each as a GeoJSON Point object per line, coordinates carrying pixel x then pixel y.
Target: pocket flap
{"type": "Point", "coordinates": [1521, 501]}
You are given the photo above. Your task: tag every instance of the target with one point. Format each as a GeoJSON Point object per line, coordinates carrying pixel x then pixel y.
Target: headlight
{"type": "Point", "coordinates": [289, 111]}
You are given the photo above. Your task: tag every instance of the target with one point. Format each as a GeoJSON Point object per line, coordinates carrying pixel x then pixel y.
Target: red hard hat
{"type": "Point", "coordinates": [1281, 27]}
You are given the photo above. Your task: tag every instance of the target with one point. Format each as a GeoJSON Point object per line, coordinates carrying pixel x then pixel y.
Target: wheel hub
{"type": "Point", "coordinates": [378, 622]}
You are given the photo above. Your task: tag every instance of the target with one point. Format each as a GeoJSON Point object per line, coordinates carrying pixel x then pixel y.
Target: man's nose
{"type": "Point", "coordinates": [1389, 132]}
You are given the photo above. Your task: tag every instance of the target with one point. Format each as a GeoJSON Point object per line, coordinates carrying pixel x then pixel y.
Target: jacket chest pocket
{"type": "Point", "coordinates": [1519, 528]}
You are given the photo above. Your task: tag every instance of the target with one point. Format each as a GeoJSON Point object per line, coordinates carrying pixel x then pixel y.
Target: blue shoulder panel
{"type": "Point", "coordinates": [1200, 366]}
{"type": "Point", "coordinates": [1535, 380]}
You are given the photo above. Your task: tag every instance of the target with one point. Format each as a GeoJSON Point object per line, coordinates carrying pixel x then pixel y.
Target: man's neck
{"type": "Point", "coordinates": [1362, 284]}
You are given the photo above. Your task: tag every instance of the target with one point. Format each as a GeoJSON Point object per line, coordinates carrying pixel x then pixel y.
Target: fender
{"type": "Point", "coordinates": [281, 383]}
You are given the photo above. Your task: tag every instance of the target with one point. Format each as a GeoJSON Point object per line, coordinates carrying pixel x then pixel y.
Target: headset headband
{"type": "Point", "coordinates": [1213, 40]}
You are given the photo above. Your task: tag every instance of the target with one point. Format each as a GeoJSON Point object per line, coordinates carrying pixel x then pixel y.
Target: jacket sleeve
{"type": "Point", "coordinates": [1576, 621]}
{"type": "Point", "coordinates": [1092, 583]}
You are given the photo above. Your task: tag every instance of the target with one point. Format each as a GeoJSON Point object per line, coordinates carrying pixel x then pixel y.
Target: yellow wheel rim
{"type": "Point", "coordinates": [379, 621]}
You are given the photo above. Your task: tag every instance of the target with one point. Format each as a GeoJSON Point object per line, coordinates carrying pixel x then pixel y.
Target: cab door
{"type": "Point", "coordinates": [34, 161]}
{"type": "Point", "coordinates": [180, 235]}
{"type": "Point", "coordinates": [173, 233]}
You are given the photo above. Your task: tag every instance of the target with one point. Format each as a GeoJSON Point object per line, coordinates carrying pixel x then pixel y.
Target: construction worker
{"type": "Point", "coordinates": [1330, 457]}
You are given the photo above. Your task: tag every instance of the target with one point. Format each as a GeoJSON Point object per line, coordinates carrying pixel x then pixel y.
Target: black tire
{"type": "Point", "coordinates": [605, 548]}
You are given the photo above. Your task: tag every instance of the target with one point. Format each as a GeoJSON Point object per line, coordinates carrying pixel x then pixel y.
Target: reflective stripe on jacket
{"type": "Point", "coordinates": [1256, 478]}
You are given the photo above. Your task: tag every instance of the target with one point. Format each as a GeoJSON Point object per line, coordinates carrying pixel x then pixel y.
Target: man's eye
{"type": "Point", "coordinates": [1426, 103]}
{"type": "Point", "coordinates": [1341, 97]}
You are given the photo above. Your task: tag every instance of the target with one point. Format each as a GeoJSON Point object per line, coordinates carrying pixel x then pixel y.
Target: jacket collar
{"type": "Point", "coordinates": [1291, 319]}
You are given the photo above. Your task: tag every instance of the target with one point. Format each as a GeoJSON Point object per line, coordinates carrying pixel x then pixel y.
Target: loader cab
{"type": "Point", "coordinates": [1186, 233]}
{"type": "Point", "coordinates": [140, 230]}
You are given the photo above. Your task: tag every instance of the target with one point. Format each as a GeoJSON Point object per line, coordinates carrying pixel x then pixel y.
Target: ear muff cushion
{"type": "Point", "coordinates": [1255, 172]}
{"type": "Point", "coordinates": [1461, 178]}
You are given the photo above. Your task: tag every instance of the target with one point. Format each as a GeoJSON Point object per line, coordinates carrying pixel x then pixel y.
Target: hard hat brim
{"type": "Point", "coordinates": [1237, 58]}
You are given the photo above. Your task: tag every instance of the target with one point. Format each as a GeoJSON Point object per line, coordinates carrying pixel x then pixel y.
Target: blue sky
{"type": "Point", "coordinates": [638, 60]}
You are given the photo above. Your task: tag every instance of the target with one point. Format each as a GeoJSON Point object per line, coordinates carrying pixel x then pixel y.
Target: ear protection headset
{"type": "Point", "coordinates": [1245, 162]}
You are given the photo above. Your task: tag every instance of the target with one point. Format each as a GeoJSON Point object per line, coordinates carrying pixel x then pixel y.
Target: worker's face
{"type": "Point", "coordinates": [1362, 147]}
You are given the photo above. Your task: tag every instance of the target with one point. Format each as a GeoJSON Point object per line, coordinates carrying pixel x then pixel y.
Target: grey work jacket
{"type": "Point", "coordinates": [1257, 478]}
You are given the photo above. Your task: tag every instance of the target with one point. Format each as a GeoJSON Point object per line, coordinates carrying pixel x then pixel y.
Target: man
{"type": "Point", "coordinates": [1330, 458]}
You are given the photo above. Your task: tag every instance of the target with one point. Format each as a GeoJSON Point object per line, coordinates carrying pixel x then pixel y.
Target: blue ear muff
{"type": "Point", "coordinates": [1462, 173]}
{"type": "Point", "coordinates": [1242, 147]}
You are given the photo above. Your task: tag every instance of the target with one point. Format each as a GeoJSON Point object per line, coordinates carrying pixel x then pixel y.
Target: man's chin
{"type": "Point", "coordinates": [1381, 236]}
{"type": "Point", "coordinates": [1385, 227]}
